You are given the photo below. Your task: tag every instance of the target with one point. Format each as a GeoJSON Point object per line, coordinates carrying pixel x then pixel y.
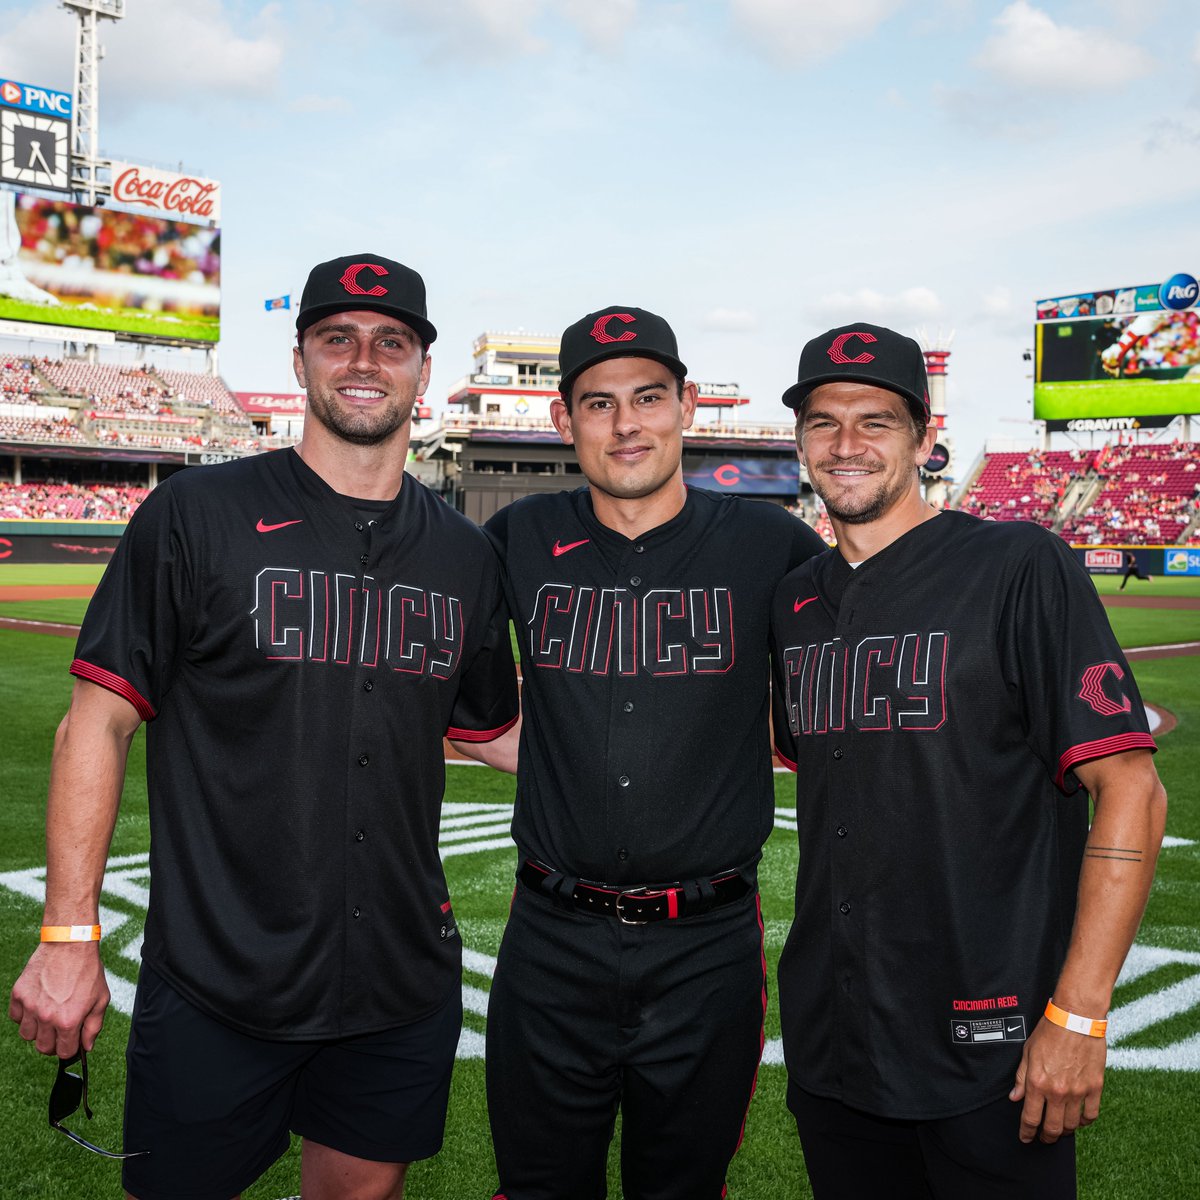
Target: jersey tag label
{"type": "Point", "coordinates": [998, 1029]}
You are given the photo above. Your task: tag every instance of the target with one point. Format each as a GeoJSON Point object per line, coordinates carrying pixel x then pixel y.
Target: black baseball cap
{"type": "Point", "coordinates": [368, 281]}
{"type": "Point", "coordinates": [863, 353]}
{"type": "Point", "coordinates": [619, 331]}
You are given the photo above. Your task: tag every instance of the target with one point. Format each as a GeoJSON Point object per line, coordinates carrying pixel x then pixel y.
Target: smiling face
{"type": "Point", "coordinates": [862, 450]}
{"type": "Point", "coordinates": [626, 422]}
{"type": "Point", "coordinates": [363, 372]}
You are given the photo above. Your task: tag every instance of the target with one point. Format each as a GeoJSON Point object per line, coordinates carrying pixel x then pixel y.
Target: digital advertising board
{"type": "Point", "coordinates": [1121, 358]}
{"type": "Point", "coordinates": [137, 276]}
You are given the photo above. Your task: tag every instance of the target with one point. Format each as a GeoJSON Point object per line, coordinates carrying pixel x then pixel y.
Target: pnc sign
{"type": "Point", "coordinates": [35, 99]}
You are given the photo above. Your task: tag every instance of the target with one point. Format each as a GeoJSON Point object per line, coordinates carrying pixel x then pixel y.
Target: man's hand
{"type": "Point", "coordinates": [60, 998]}
{"type": "Point", "coordinates": [1060, 1078]}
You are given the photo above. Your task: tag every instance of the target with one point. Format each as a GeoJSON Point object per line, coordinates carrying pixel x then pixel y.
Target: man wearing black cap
{"type": "Point", "coordinates": [299, 630]}
{"type": "Point", "coordinates": [631, 973]}
{"type": "Point", "coordinates": [950, 694]}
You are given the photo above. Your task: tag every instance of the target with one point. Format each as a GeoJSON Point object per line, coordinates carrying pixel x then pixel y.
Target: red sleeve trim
{"type": "Point", "coordinates": [1102, 748]}
{"type": "Point", "coordinates": [480, 735]}
{"type": "Point", "coordinates": [114, 683]}
{"type": "Point", "coordinates": [783, 758]}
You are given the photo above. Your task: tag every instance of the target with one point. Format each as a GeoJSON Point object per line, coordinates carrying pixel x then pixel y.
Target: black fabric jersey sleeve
{"type": "Point", "coordinates": [487, 703]}
{"type": "Point", "coordinates": [1063, 665]}
{"type": "Point", "coordinates": [141, 612]}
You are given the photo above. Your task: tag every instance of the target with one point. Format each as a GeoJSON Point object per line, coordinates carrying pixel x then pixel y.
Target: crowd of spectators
{"type": "Point", "coordinates": [1149, 495]}
{"type": "Point", "coordinates": [57, 500]}
{"type": "Point", "coordinates": [18, 383]}
{"type": "Point", "coordinates": [40, 429]}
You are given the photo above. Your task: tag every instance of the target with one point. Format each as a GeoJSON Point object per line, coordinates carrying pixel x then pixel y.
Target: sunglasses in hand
{"type": "Point", "coordinates": [67, 1094]}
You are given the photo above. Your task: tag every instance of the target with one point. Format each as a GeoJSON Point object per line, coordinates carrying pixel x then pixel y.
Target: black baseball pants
{"type": "Point", "coordinates": [662, 1020]}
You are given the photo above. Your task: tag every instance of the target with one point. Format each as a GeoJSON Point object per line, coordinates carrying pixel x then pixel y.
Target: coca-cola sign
{"type": "Point", "coordinates": [182, 196]}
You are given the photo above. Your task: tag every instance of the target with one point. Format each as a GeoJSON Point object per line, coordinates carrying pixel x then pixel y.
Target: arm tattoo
{"type": "Point", "coordinates": [1120, 853]}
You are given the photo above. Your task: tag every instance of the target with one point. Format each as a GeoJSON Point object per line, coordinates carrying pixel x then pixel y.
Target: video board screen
{"type": "Point", "coordinates": [1147, 364]}
{"type": "Point", "coordinates": [94, 268]}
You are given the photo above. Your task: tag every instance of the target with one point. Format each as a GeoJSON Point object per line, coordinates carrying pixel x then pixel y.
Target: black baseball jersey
{"type": "Point", "coordinates": [645, 755]}
{"type": "Point", "coordinates": [934, 701]}
{"type": "Point", "coordinates": [298, 666]}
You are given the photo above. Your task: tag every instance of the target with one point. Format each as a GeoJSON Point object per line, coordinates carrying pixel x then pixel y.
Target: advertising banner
{"type": "Point", "coordinates": [184, 196]}
{"type": "Point", "coordinates": [1181, 560]}
{"type": "Point", "coordinates": [138, 276]}
{"type": "Point", "coordinates": [746, 476]}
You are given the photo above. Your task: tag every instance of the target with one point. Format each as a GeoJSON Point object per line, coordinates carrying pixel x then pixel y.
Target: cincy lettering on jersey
{"type": "Point", "coordinates": [607, 631]}
{"type": "Point", "coordinates": [351, 620]}
{"type": "Point", "coordinates": [883, 682]}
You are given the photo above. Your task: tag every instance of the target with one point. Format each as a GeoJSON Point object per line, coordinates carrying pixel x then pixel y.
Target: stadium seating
{"type": "Point", "coordinates": [1145, 494]}
{"type": "Point", "coordinates": [50, 500]}
{"type": "Point", "coordinates": [18, 383]}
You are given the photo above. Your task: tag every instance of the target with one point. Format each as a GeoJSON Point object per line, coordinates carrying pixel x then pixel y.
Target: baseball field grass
{"type": "Point", "coordinates": [1144, 1146]}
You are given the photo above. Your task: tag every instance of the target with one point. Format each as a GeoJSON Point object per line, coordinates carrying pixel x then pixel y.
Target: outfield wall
{"type": "Point", "coordinates": [94, 541]}
{"type": "Point", "coordinates": [59, 541]}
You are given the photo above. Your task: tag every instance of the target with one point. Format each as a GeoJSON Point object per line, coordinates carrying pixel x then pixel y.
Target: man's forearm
{"type": "Point", "coordinates": [1114, 884]}
{"type": "Point", "coordinates": [87, 773]}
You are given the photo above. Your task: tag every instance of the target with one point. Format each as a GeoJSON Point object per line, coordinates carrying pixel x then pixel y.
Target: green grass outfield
{"type": "Point", "coordinates": [1115, 398]}
{"type": "Point", "coordinates": [1143, 1146]}
{"type": "Point", "coordinates": [120, 320]}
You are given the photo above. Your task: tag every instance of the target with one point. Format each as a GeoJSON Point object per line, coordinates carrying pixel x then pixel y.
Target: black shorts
{"type": "Point", "coordinates": [214, 1106]}
{"type": "Point", "coordinates": [853, 1155]}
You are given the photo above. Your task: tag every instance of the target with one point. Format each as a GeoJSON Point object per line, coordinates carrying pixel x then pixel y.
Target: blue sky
{"type": "Point", "coordinates": [755, 170]}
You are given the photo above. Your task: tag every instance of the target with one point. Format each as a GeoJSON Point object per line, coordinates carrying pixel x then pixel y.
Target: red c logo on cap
{"type": "Point", "coordinates": [601, 334]}
{"type": "Point", "coordinates": [838, 355]}
{"type": "Point", "coordinates": [6, 553]}
{"type": "Point", "coordinates": [349, 280]}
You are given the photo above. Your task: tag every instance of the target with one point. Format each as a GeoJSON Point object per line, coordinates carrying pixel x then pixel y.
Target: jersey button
{"type": "Point", "coordinates": [356, 912]}
{"type": "Point", "coordinates": [639, 549]}
{"type": "Point", "coordinates": [362, 558]}
{"type": "Point", "coordinates": [623, 780]}
{"type": "Point", "coordinates": [842, 831]}
{"type": "Point", "coordinates": [628, 706]}
{"type": "Point", "coordinates": [368, 685]}
{"type": "Point", "coordinates": [359, 526]}
{"type": "Point", "coordinates": [837, 753]}
{"type": "Point", "coordinates": [363, 759]}
{"type": "Point", "coordinates": [359, 834]}
{"type": "Point", "coordinates": [622, 854]}
{"type": "Point", "coordinates": [635, 580]}
{"type": "Point", "coordinates": [844, 907]}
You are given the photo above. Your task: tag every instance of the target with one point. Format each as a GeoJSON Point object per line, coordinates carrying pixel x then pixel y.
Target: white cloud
{"type": "Point", "coordinates": [729, 320]}
{"type": "Point", "coordinates": [312, 102]}
{"type": "Point", "coordinates": [797, 32]}
{"type": "Point", "coordinates": [1196, 51]}
{"type": "Point", "coordinates": [602, 25]}
{"type": "Point", "coordinates": [168, 51]}
{"type": "Point", "coordinates": [38, 47]}
{"type": "Point", "coordinates": [899, 310]}
{"type": "Point", "coordinates": [997, 302]}
{"type": "Point", "coordinates": [465, 27]}
{"type": "Point", "coordinates": [1030, 51]}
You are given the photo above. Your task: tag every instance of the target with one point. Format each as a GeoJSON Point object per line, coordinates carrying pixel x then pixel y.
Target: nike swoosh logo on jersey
{"type": "Point", "coordinates": [263, 527]}
{"type": "Point", "coordinates": [571, 546]}
{"type": "Point", "coordinates": [799, 604]}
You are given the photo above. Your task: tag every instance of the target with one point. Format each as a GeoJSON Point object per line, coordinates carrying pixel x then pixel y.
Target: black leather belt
{"type": "Point", "coordinates": [634, 905]}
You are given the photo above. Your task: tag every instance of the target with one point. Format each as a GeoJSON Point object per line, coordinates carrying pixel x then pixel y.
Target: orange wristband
{"type": "Point", "coordinates": [70, 933]}
{"type": "Point", "coordinates": [1075, 1023]}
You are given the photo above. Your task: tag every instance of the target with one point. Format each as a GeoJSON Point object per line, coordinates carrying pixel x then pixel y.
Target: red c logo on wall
{"type": "Point", "coordinates": [1092, 692]}
{"type": "Point", "coordinates": [839, 355]}
{"type": "Point", "coordinates": [349, 280]}
{"type": "Point", "coordinates": [727, 475]}
{"type": "Point", "coordinates": [600, 331]}
{"type": "Point", "coordinates": [7, 552]}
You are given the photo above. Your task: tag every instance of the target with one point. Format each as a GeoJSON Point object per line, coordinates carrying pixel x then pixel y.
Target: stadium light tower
{"type": "Point", "coordinates": [85, 160]}
{"type": "Point", "coordinates": [937, 356]}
